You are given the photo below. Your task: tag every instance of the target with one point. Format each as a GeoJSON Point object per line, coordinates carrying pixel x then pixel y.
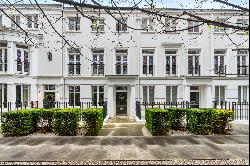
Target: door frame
{"type": "Point", "coordinates": [127, 91]}
{"type": "Point", "coordinates": [197, 91]}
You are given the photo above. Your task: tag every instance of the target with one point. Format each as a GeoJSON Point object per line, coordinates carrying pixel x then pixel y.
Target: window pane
{"type": "Point", "coordinates": [151, 94]}
{"type": "Point", "coordinates": [145, 94]}
{"type": "Point", "coordinates": [222, 93]}
{"type": "Point", "coordinates": [18, 93]}
{"type": "Point", "coordinates": [77, 99]}
{"type": "Point", "coordinates": [168, 93]}
{"type": "Point", "coordinates": [25, 93]}
{"type": "Point", "coordinates": [244, 93]}
{"type": "Point", "coordinates": [217, 91]}
{"type": "Point", "coordinates": [174, 93]}
{"type": "Point", "coordinates": [239, 94]}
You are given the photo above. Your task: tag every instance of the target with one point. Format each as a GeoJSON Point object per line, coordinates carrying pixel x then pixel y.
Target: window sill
{"type": "Point", "coordinates": [69, 31]}
{"type": "Point", "coordinates": [148, 32]}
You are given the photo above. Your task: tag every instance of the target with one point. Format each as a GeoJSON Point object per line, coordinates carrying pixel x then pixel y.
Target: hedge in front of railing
{"type": "Point", "coordinates": [199, 121]}
{"type": "Point", "coordinates": [178, 115]}
{"type": "Point", "coordinates": [65, 121]}
{"type": "Point", "coordinates": [93, 118]}
{"type": "Point", "coordinates": [158, 121]}
{"type": "Point", "coordinates": [17, 123]}
{"type": "Point", "coordinates": [221, 120]}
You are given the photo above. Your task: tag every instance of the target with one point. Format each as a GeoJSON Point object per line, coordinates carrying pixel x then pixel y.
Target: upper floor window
{"type": "Point", "coordinates": [242, 62]}
{"type": "Point", "coordinates": [98, 25]}
{"type": "Point", "coordinates": [243, 23]}
{"type": "Point", "coordinates": [193, 27]}
{"type": "Point", "coordinates": [121, 25]}
{"type": "Point", "coordinates": [171, 93]}
{"type": "Point", "coordinates": [219, 29]}
{"type": "Point", "coordinates": [74, 64]}
{"type": "Point", "coordinates": [1, 20]}
{"type": "Point", "coordinates": [148, 24]}
{"type": "Point", "coordinates": [171, 62]}
{"type": "Point", "coordinates": [171, 24]}
{"type": "Point", "coordinates": [16, 20]}
{"type": "Point", "coordinates": [193, 62]}
{"type": "Point", "coordinates": [74, 23]}
{"type": "Point", "coordinates": [22, 61]}
{"type": "Point", "coordinates": [219, 61]}
{"type": "Point", "coordinates": [243, 93]}
{"type": "Point", "coordinates": [148, 93]}
{"type": "Point", "coordinates": [121, 65]}
{"type": "Point", "coordinates": [49, 54]}
{"type": "Point", "coordinates": [148, 61]}
{"type": "Point", "coordinates": [98, 62]}
{"type": "Point", "coordinates": [74, 96]}
{"type": "Point", "coordinates": [3, 57]}
{"type": "Point", "coordinates": [32, 21]}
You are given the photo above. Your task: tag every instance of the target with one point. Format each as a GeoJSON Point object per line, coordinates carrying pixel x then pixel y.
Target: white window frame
{"type": "Point", "coordinates": [3, 87]}
{"type": "Point", "coordinates": [75, 62]}
{"type": "Point", "coordinates": [148, 25]}
{"type": "Point", "coordinates": [148, 63]}
{"type": "Point", "coordinates": [3, 58]}
{"type": "Point", "coordinates": [123, 63]}
{"type": "Point", "coordinates": [99, 22]}
{"type": "Point", "coordinates": [148, 93]}
{"type": "Point", "coordinates": [33, 21]}
{"type": "Point", "coordinates": [194, 55]}
{"type": "Point", "coordinates": [219, 95]}
{"type": "Point", "coordinates": [23, 59]}
{"type": "Point", "coordinates": [119, 26]}
{"type": "Point", "coordinates": [17, 19]}
{"type": "Point", "coordinates": [74, 95]}
{"type": "Point", "coordinates": [218, 29]}
{"type": "Point", "coordinates": [243, 93]}
{"type": "Point", "coordinates": [192, 24]}
{"type": "Point", "coordinates": [171, 93]}
{"type": "Point", "coordinates": [240, 55]}
{"type": "Point", "coordinates": [98, 52]}
{"type": "Point", "coordinates": [98, 92]}
{"type": "Point", "coordinates": [221, 61]}
{"type": "Point", "coordinates": [171, 55]}
{"type": "Point", "coordinates": [23, 86]}
{"type": "Point", "coordinates": [76, 23]}
{"type": "Point", "coordinates": [170, 24]}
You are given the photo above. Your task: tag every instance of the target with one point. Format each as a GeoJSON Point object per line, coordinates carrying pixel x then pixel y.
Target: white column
{"type": "Point", "coordinates": [132, 101]}
{"type": "Point", "coordinates": [111, 111]}
{"type": "Point", "coordinates": [11, 93]}
{"type": "Point", "coordinates": [209, 97]}
{"type": "Point", "coordinates": [33, 92]}
{"type": "Point", "coordinates": [10, 50]}
{"type": "Point", "coordinates": [186, 94]}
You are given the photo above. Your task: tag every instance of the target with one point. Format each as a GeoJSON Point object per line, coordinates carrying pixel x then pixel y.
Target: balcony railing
{"type": "Point", "coordinates": [243, 70]}
{"type": "Point", "coordinates": [194, 71]}
{"type": "Point", "coordinates": [221, 70]}
{"type": "Point", "coordinates": [148, 70]}
{"type": "Point", "coordinates": [97, 69]}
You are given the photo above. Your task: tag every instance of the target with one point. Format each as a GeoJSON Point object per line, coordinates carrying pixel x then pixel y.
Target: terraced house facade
{"type": "Point", "coordinates": [105, 60]}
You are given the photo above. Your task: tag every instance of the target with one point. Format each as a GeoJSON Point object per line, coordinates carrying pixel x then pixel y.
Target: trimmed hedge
{"type": "Point", "coordinates": [158, 121]}
{"type": "Point", "coordinates": [178, 115]}
{"type": "Point", "coordinates": [94, 120]}
{"type": "Point", "coordinates": [221, 120]}
{"type": "Point", "coordinates": [65, 121]}
{"type": "Point", "coordinates": [18, 123]}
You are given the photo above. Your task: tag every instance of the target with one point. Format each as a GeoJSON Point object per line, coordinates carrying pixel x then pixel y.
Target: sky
{"type": "Point", "coordinates": [208, 4]}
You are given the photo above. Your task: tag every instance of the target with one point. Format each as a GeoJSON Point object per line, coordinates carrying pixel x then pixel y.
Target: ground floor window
{"type": "Point", "coordinates": [242, 94]}
{"type": "Point", "coordinates": [3, 95]}
{"type": "Point", "coordinates": [22, 94]}
{"type": "Point", "coordinates": [219, 93]}
{"type": "Point", "coordinates": [74, 95]}
{"type": "Point", "coordinates": [148, 93]}
{"type": "Point", "coordinates": [97, 95]}
{"type": "Point", "coordinates": [171, 93]}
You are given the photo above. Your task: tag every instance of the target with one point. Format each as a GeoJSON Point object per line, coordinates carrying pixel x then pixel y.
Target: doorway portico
{"type": "Point", "coordinates": [121, 95]}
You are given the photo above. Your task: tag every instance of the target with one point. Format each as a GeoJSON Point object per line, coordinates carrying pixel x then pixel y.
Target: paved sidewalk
{"type": "Point", "coordinates": [123, 148]}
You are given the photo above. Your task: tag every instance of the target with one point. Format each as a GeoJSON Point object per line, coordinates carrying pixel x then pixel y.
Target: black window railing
{"type": "Point", "coordinates": [221, 70]}
{"type": "Point", "coordinates": [243, 70]}
{"type": "Point", "coordinates": [97, 69]}
{"type": "Point", "coordinates": [194, 70]}
{"type": "Point", "coordinates": [148, 70]}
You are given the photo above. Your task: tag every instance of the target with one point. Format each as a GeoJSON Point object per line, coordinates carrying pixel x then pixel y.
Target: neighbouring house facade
{"type": "Point", "coordinates": [105, 60]}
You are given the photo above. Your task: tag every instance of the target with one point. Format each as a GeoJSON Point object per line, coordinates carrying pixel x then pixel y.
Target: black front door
{"type": "Point", "coordinates": [194, 99]}
{"type": "Point", "coordinates": [49, 100]}
{"type": "Point", "coordinates": [121, 103]}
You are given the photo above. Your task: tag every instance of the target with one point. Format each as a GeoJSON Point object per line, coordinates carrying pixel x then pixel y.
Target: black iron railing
{"type": "Point", "coordinates": [221, 70]}
{"type": "Point", "coordinates": [243, 70]}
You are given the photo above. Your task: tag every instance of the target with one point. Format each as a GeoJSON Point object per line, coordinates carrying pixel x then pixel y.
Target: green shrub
{"type": "Point", "coordinates": [93, 118]}
{"type": "Point", "coordinates": [199, 121]}
{"type": "Point", "coordinates": [65, 121]}
{"type": "Point", "coordinates": [42, 119]}
{"type": "Point", "coordinates": [158, 121]}
{"type": "Point", "coordinates": [221, 120]}
{"type": "Point", "coordinates": [178, 115]}
{"type": "Point", "coordinates": [17, 123]}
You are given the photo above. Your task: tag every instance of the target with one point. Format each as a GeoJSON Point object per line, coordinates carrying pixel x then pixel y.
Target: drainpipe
{"type": "Point", "coordinates": [139, 59]}
{"type": "Point", "coordinates": [63, 56]}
